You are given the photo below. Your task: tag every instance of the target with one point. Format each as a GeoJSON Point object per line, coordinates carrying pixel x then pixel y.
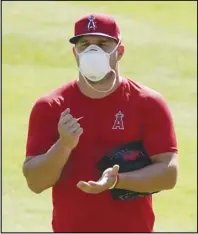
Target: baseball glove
{"type": "Point", "coordinates": [129, 157]}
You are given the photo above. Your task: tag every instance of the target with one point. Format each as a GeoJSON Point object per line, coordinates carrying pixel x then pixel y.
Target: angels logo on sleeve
{"type": "Point", "coordinates": [118, 123]}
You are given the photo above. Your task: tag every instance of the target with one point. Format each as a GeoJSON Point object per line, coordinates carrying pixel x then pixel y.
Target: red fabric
{"type": "Point", "coordinates": [158, 133]}
{"type": "Point", "coordinates": [95, 24]}
{"type": "Point", "coordinates": [145, 116]}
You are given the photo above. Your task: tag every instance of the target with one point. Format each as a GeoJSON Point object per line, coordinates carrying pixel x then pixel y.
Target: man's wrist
{"type": "Point", "coordinates": [63, 146]}
{"type": "Point", "coordinates": [115, 183]}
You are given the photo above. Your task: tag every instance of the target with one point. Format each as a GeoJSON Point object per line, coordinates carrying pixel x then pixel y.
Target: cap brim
{"type": "Point", "coordinates": [75, 39]}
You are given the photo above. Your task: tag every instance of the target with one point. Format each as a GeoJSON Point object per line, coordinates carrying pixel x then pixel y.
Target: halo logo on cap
{"type": "Point", "coordinates": [91, 23]}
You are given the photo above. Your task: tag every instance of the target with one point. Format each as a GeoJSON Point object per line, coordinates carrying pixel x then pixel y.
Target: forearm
{"type": "Point", "coordinates": [155, 177]}
{"type": "Point", "coordinates": [43, 171]}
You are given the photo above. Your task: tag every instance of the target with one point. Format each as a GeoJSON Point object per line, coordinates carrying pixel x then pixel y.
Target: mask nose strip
{"type": "Point", "coordinates": [91, 50]}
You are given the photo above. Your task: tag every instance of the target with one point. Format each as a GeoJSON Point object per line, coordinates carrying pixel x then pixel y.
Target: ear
{"type": "Point", "coordinates": [74, 51]}
{"type": "Point", "coordinates": [121, 49]}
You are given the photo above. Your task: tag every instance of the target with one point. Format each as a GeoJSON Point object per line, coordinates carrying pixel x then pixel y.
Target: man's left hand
{"type": "Point", "coordinates": [107, 180]}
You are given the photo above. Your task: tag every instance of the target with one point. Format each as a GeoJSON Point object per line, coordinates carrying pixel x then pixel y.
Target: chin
{"type": "Point", "coordinates": [96, 82]}
{"type": "Point", "coordinates": [107, 77]}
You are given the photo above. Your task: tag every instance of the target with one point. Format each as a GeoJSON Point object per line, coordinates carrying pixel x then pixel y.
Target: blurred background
{"type": "Point", "coordinates": [161, 52]}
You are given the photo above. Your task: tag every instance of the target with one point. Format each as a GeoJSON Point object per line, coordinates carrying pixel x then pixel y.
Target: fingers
{"type": "Point", "coordinates": [101, 182]}
{"type": "Point", "coordinates": [65, 112]}
{"type": "Point", "coordinates": [78, 132]}
{"type": "Point", "coordinates": [64, 119]}
{"type": "Point", "coordinates": [69, 129]}
{"type": "Point", "coordinates": [84, 186]}
{"type": "Point", "coordinates": [68, 119]}
{"type": "Point", "coordinates": [70, 124]}
{"type": "Point", "coordinates": [93, 183]}
{"type": "Point", "coordinates": [90, 187]}
{"type": "Point", "coordinates": [74, 130]}
{"type": "Point", "coordinates": [105, 182]}
{"type": "Point", "coordinates": [115, 170]}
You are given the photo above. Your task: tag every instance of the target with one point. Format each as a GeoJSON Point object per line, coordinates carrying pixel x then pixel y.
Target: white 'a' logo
{"type": "Point", "coordinates": [118, 123]}
{"type": "Point", "coordinates": [91, 23]}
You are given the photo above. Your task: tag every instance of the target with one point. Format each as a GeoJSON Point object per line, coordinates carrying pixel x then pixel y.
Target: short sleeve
{"type": "Point", "coordinates": [158, 131]}
{"type": "Point", "coordinates": [42, 129]}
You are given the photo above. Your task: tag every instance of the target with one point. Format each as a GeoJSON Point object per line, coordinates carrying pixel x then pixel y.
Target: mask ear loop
{"type": "Point", "coordinates": [101, 91]}
{"type": "Point", "coordinates": [114, 81]}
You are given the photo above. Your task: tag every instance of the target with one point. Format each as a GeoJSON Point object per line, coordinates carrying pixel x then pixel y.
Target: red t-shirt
{"type": "Point", "coordinates": [133, 112]}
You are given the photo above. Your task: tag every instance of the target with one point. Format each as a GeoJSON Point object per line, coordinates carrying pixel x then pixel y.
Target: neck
{"type": "Point", "coordinates": [103, 85]}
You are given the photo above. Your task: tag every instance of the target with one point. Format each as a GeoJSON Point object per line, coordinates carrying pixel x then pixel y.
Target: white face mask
{"type": "Point", "coordinates": [94, 63]}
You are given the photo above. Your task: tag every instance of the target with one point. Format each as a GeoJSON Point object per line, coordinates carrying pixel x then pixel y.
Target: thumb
{"type": "Point", "coordinates": [115, 169]}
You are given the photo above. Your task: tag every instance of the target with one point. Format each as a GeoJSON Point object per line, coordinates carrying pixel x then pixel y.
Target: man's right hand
{"type": "Point", "coordinates": [69, 130]}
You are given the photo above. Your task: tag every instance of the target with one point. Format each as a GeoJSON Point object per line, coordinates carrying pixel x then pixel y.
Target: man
{"type": "Point", "coordinates": [72, 128]}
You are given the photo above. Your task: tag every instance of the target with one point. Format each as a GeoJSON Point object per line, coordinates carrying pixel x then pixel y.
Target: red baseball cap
{"type": "Point", "coordinates": [96, 24]}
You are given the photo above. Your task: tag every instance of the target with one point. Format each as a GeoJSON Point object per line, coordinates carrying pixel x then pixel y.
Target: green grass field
{"type": "Point", "coordinates": [160, 40]}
